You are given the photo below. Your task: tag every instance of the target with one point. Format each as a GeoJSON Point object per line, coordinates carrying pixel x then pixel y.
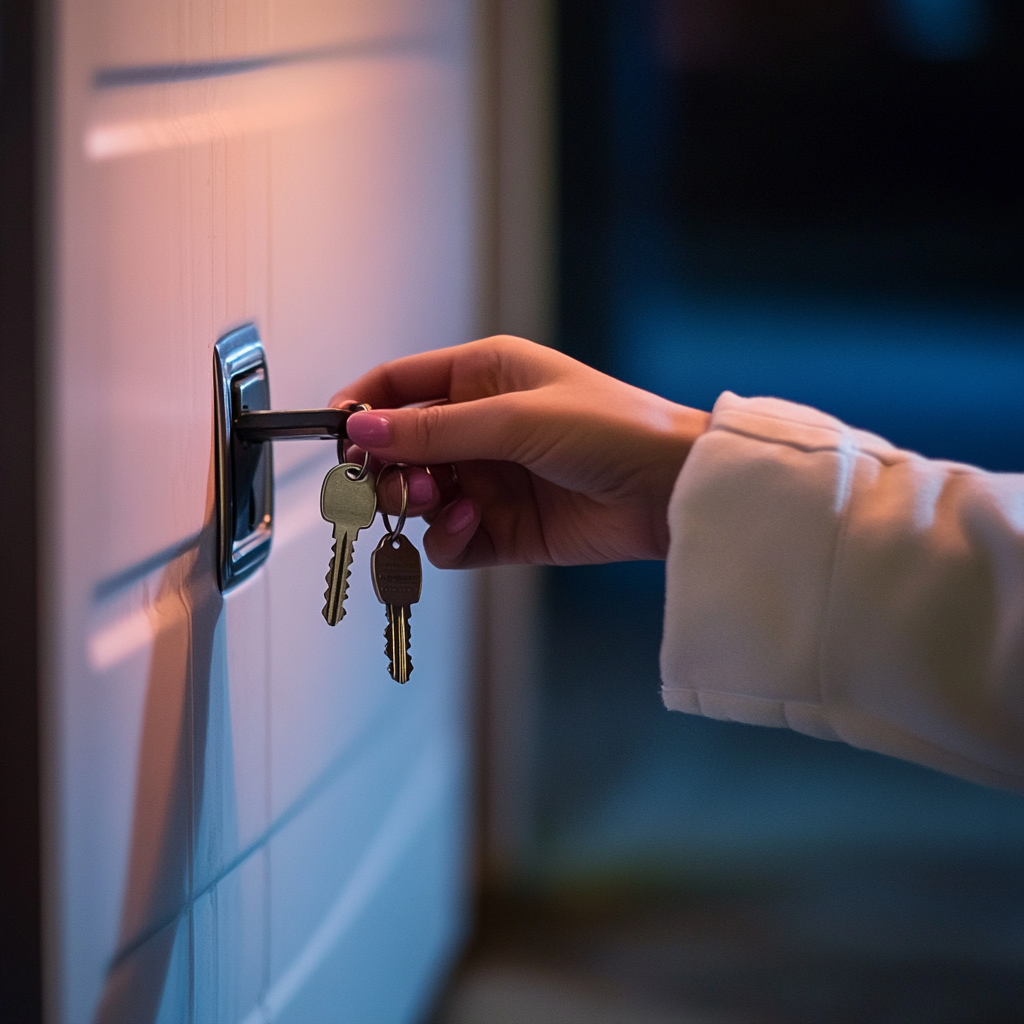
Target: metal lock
{"type": "Point", "coordinates": [245, 470]}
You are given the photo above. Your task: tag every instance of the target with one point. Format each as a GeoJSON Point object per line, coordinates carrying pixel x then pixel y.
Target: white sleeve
{"type": "Point", "coordinates": [821, 579]}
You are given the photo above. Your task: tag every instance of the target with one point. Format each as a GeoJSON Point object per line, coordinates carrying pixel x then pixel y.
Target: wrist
{"type": "Point", "coordinates": [687, 426]}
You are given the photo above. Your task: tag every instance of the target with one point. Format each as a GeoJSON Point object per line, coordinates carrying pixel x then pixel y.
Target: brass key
{"type": "Point", "coordinates": [397, 580]}
{"type": "Point", "coordinates": [348, 499]}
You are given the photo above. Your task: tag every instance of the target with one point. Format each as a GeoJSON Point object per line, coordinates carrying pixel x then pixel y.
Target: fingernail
{"type": "Point", "coordinates": [461, 514]}
{"type": "Point", "coordinates": [421, 489]}
{"type": "Point", "coordinates": [369, 430]}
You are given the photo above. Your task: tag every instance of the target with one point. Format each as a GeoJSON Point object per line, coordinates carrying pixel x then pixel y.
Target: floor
{"type": "Point", "coordinates": [743, 958]}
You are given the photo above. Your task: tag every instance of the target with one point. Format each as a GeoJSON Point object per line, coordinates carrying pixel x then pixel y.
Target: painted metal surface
{"type": "Point", "coordinates": [250, 821]}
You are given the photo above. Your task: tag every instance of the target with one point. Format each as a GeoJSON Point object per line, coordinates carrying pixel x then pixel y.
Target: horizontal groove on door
{"type": "Point", "coordinates": [418, 799]}
{"type": "Point", "coordinates": [194, 71]}
{"type": "Point", "coordinates": [131, 628]}
{"type": "Point", "coordinates": [138, 571]}
{"type": "Point", "coordinates": [362, 746]}
{"type": "Point", "coordinates": [172, 113]}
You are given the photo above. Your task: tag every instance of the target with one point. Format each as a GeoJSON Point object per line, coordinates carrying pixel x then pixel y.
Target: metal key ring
{"type": "Point", "coordinates": [394, 534]}
{"type": "Point", "coordinates": [451, 469]}
{"type": "Point", "coordinates": [361, 475]}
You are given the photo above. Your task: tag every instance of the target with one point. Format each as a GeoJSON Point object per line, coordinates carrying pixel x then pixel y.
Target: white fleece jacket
{"type": "Point", "coordinates": [821, 579]}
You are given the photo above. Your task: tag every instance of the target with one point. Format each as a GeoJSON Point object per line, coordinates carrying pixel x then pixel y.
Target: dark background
{"type": "Point", "coordinates": [821, 200]}
{"type": "Point", "coordinates": [21, 170]}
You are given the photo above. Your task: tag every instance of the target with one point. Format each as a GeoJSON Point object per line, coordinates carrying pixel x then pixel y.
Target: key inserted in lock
{"type": "Point", "coordinates": [293, 424]}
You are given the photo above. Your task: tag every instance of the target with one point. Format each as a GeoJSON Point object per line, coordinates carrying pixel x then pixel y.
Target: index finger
{"type": "Point", "coordinates": [461, 373]}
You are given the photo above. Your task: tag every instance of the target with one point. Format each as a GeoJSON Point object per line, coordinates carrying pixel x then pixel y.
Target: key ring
{"type": "Point", "coordinates": [393, 535]}
{"type": "Point", "coordinates": [451, 469]}
{"type": "Point", "coordinates": [361, 474]}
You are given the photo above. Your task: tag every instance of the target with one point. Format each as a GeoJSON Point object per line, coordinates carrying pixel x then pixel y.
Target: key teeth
{"type": "Point", "coordinates": [344, 587]}
{"type": "Point", "coordinates": [389, 651]}
{"type": "Point", "coordinates": [330, 575]}
{"type": "Point", "coordinates": [330, 567]}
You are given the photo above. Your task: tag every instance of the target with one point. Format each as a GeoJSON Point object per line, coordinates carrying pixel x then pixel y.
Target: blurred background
{"type": "Point", "coordinates": [821, 200]}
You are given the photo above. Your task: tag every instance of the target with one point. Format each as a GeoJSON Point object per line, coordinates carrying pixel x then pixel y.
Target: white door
{"type": "Point", "coordinates": [248, 820]}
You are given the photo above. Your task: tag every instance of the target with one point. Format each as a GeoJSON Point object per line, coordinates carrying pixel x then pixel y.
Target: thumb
{"type": "Point", "coordinates": [483, 429]}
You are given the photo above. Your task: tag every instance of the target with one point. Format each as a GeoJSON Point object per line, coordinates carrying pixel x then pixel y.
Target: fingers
{"type": "Point", "coordinates": [420, 378]}
{"type": "Point", "coordinates": [424, 496]}
{"type": "Point", "coordinates": [492, 519]}
{"type": "Point", "coordinates": [458, 374]}
{"type": "Point", "coordinates": [456, 540]}
{"type": "Point", "coordinates": [428, 489]}
{"type": "Point", "coordinates": [488, 429]}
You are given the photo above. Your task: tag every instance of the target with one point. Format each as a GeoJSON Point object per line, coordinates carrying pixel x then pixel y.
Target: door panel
{"type": "Point", "coordinates": [359, 788]}
{"type": "Point", "coordinates": [140, 35]}
{"type": "Point", "coordinates": [205, 818]}
{"type": "Point", "coordinates": [150, 981]}
{"type": "Point", "coordinates": [408, 919]}
{"type": "Point", "coordinates": [327, 693]}
{"type": "Point", "coordinates": [231, 756]}
{"type": "Point", "coordinates": [126, 764]}
{"type": "Point", "coordinates": [343, 815]}
{"type": "Point", "coordinates": [230, 938]}
{"type": "Point", "coordinates": [302, 24]}
{"type": "Point", "coordinates": [121, 33]}
{"type": "Point", "coordinates": [403, 221]}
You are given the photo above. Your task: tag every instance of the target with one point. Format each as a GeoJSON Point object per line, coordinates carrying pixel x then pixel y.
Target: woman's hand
{"type": "Point", "coordinates": [555, 463]}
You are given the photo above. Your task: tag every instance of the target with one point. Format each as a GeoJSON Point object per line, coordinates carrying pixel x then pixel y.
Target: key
{"type": "Point", "coordinates": [349, 501]}
{"type": "Point", "coordinates": [397, 579]}
{"type": "Point", "coordinates": [283, 425]}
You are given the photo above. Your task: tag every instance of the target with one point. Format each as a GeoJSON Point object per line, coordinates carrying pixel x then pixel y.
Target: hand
{"type": "Point", "coordinates": [555, 463]}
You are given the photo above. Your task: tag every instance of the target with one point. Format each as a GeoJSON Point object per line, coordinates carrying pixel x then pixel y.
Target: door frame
{"type": "Point", "coordinates": [24, 44]}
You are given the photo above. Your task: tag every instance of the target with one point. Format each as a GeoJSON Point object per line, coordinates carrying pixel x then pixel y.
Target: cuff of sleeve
{"type": "Point", "coordinates": [755, 520]}
{"type": "Point", "coordinates": [762, 627]}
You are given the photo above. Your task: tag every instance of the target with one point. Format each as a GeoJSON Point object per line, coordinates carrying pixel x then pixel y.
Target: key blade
{"type": "Point", "coordinates": [396, 642]}
{"type": "Point", "coordinates": [337, 577]}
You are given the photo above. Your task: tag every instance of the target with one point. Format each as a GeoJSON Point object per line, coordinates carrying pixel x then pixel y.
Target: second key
{"type": "Point", "coordinates": [397, 579]}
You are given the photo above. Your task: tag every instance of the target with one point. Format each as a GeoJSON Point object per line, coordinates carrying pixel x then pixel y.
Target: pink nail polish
{"type": "Point", "coordinates": [369, 430]}
{"type": "Point", "coordinates": [460, 515]}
